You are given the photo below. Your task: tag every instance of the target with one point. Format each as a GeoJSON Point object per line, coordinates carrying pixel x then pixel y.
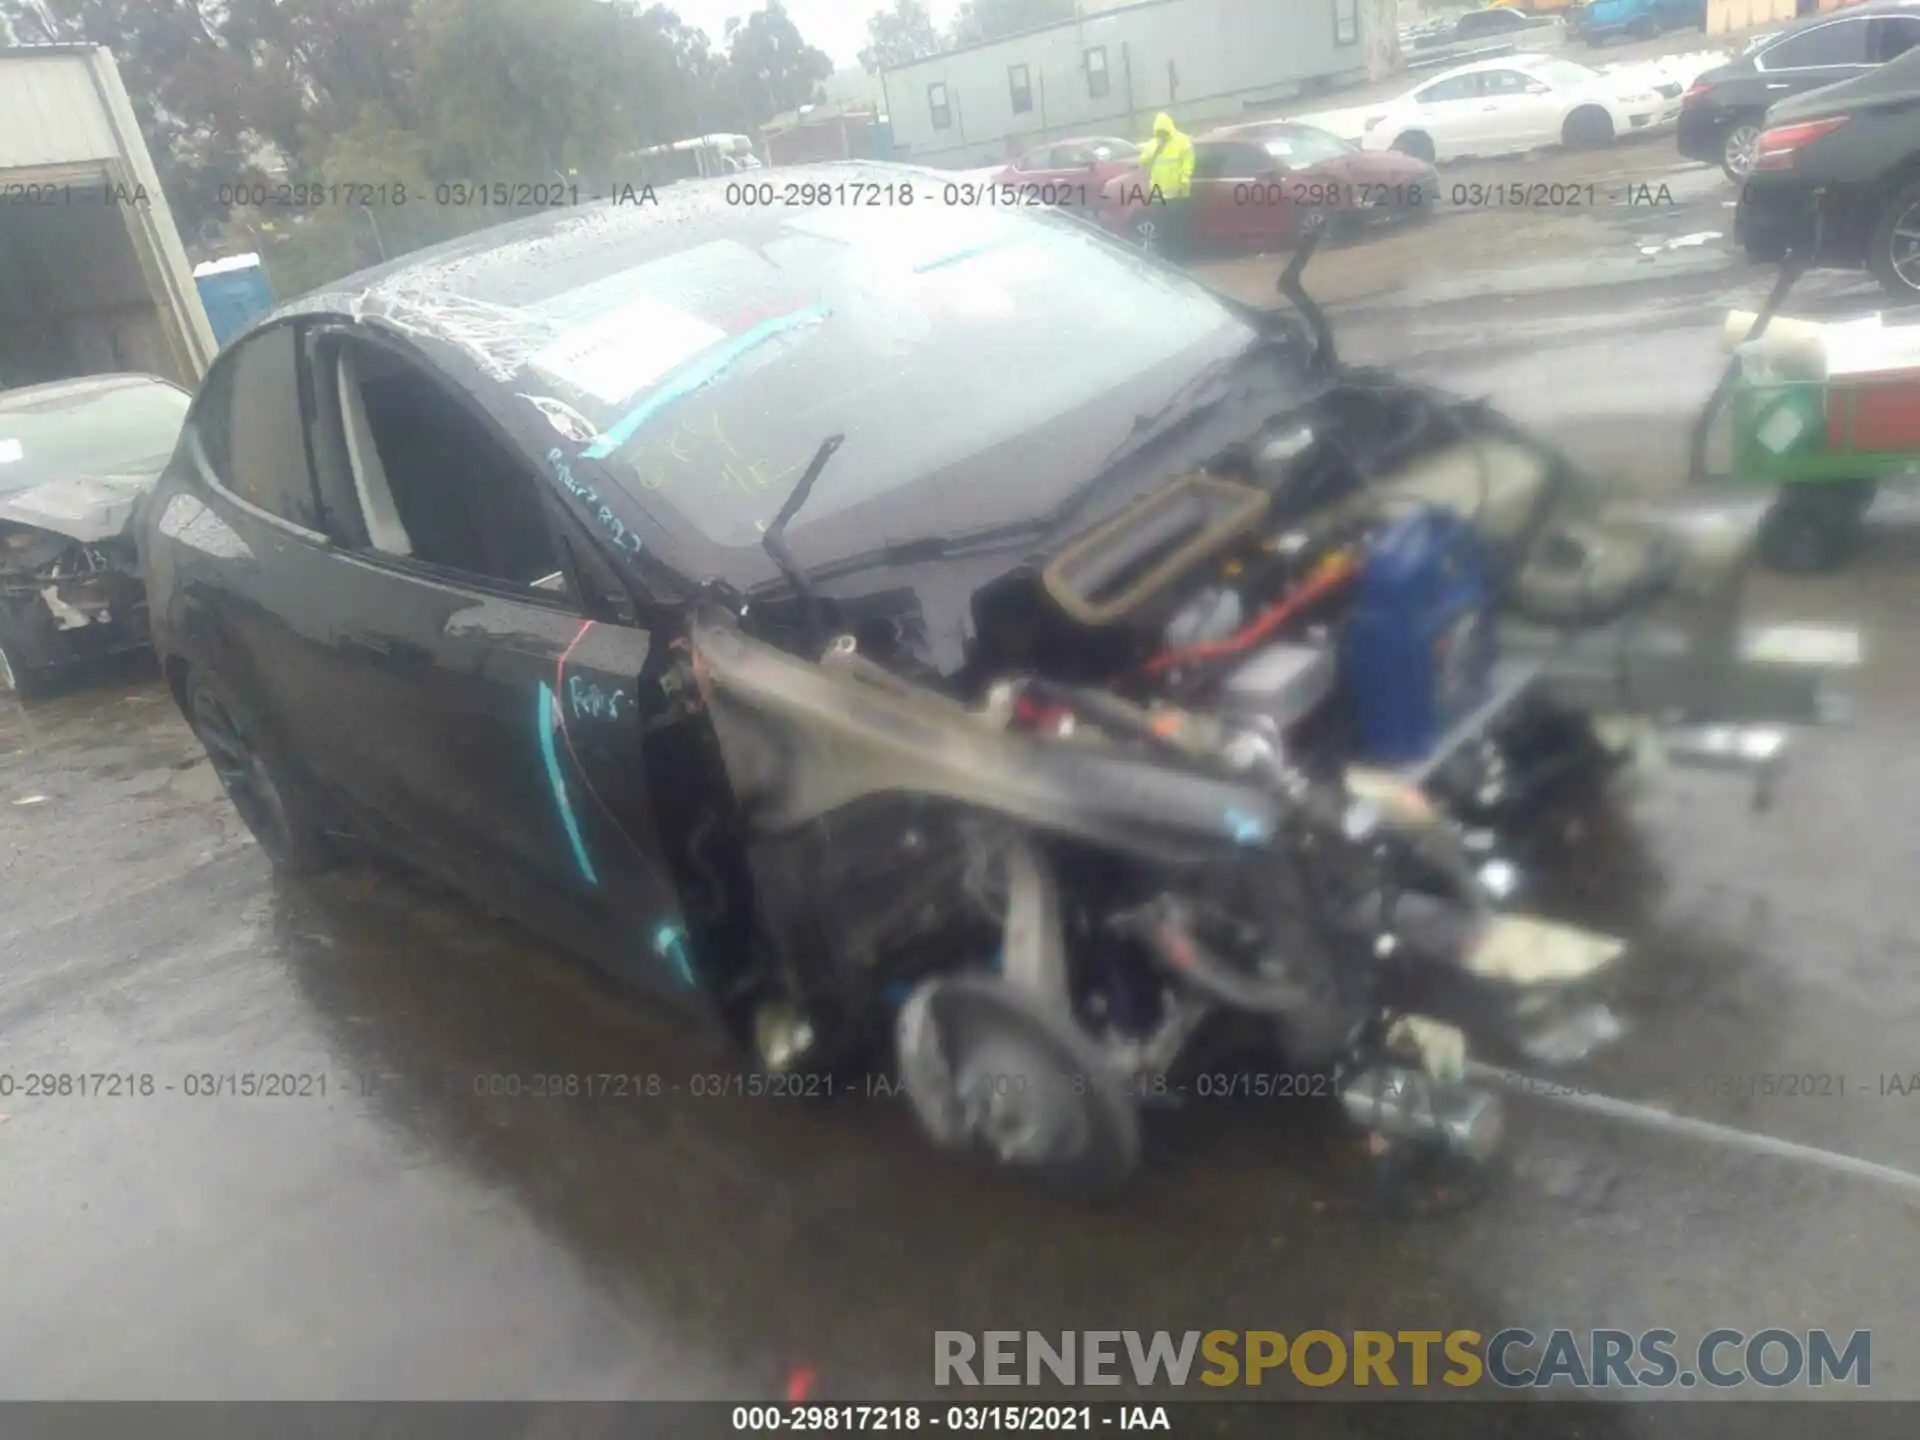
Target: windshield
{"type": "Point", "coordinates": [1307, 146]}
{"type": "Point", "coordinates": [69, 432]}
{"type": "Point", "coordinates": [926, 335]}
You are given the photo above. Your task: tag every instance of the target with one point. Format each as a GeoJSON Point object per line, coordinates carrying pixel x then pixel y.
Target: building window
{"type": "Point", "coordinates": [1021, 84]}
{"type": "Point", "coordinates": [1346, 22]}
{"type": "Point", "coordinates": [1098, 82]}
{"type": "Point", "coordinates": [937, 103]}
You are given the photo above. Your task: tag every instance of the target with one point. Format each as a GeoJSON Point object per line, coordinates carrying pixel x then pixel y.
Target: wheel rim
{"type": "Point", "coordinates": [1146, 230]}
{"type": "Point", "coordinates": [1743, 149]}
{"type": "Point", "coordinates": [243, 775]}
{"type": "Point", "coordinates": [1903, 247]}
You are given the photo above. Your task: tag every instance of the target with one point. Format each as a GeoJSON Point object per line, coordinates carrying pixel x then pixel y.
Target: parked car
{"type": "Point", "coordinates": [76, 456]}
{"type": "Point", "coordinates": [1605, 20]}
{"type": "Point", "coordinates": [1497, 22]}
{"type": "Point", "coordinates": [1722, 114]}
{"type": "Point", "coordinates": [1837, 177]}
{"type": "Point", "coordinates": [1071, 172]}
{"type": "Point", "coordinates": [1519, 102]}
{"type": "Point", "coordinates": [1270, 183]}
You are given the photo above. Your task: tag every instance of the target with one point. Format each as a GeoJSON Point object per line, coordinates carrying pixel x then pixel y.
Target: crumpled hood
{"type": "Point", "coordinates": [90, 510]}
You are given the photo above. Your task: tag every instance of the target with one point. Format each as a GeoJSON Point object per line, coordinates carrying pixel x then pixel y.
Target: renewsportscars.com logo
{"type": "Point", "coordinates": [1510, 1359]}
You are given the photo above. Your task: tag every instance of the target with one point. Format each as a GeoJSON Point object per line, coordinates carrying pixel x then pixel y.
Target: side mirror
{"type": "Point", "coordinates": [1536, 88]}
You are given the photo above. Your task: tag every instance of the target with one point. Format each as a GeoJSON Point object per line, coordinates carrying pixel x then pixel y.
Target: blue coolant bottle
{"type": "Point", "coordinates": [1420, 644]}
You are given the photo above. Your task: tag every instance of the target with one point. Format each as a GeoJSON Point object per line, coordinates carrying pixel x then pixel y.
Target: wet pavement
{"type": "Point", "coordinates": [399, 1228]}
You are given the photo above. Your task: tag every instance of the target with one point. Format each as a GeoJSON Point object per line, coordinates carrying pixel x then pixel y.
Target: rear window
{"type": "Point", "coordinates": [126, 429]}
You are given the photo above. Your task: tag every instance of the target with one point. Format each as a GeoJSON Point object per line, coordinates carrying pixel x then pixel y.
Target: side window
{"type": "Point", "coordinates": [1230, 162]}
{"type": "Point", "coordinates": [433, 482]}
{"type": "Point", "coordinates": [1891, 36]}
{"type": "Point", "coordinates": [1099, 82]}
{"type": "Point", "coordinates": [1346, 22]}
{"type": "Point", "coordinates": [1841, 42]}
{"type": "Point", "coordinates": [1020, 87]}
{"type": "Point", "coordinates": [1504, 82]}
{"type": "Point", "coordinates": [254, 431]}
{"type": "Point", "coordinates": [1459, 87]}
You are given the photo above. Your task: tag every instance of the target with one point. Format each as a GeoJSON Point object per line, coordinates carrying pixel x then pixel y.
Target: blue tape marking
{"type": "Point", "coordinates": [1247, 829]}
{"type": "Point", "coordinates": [670, 943]}
{"type": "Point", "coordinates": [559, 783]}
{"type": "Point", "coordinates": [701, 371]}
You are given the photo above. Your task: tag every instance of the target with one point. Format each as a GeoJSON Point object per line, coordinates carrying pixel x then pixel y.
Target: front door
{"type": "Point", "coordinates": [493, 718]}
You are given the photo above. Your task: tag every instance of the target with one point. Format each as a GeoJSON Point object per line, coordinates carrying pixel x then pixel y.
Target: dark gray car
{"type": "Point", "coordinates": [1722, 115]}
{"type": "Point", "coordinates": [1837, 179]}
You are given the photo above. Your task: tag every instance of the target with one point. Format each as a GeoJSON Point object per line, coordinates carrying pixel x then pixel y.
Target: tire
{"type": "Point", "coordinates": [1893, 254]}
{"type": "Point", "coordinates": [17, 676]}
{"type": "Point", "coordinates": [1067, 1120]}
{"type": "Point", "coordinates": [1646, 28]}
{"type": "Point", "coordinates": [258, 781]}
{"type": "Point", "coordinates": [1587, 128]}
{"type": "Point", "coordinates": [1739, 148]}
{"type": "Point", "coordinates": [1416, 144]}
{"type": "Point", "coordinates": [1809, 531]}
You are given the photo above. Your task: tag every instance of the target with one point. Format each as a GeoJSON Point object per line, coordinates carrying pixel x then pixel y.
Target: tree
{"type": "Point", "coordinates": [979, 20]}
{"type": "Point", "coordinates": [898, 36]}
{"type": "Point", "coordinates": [771, 69]}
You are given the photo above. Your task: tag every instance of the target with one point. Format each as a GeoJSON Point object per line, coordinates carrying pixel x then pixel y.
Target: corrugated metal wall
{"type": "Point", "coordinates": [50, 113]}
{"type": "Point", "coordinates": [1207, 60]}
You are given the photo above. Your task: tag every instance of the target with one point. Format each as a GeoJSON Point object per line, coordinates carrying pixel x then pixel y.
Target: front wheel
{"type": "Point", "coordinates": [257, 781]}
{"type": "Point", "coordinates": [1413, 143]}
{"type": "Point", "coordinates": [1893, 255]}
{"type": "Point", "coordinates": [18, 675]}
{"type": "Point", "coordinates": [1587, 129]}
{"type": "Point", "coordinates": [1145, 231]}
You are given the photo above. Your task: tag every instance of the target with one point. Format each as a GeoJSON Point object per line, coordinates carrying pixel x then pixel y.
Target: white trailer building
{"type": "Point", "coordinates": [93, 276]}
{"type": "Point", "coordinates": [1109, 70]}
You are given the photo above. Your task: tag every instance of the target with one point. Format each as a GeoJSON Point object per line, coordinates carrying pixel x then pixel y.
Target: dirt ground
{"type": "Point", "coordinates": [407, 1234]}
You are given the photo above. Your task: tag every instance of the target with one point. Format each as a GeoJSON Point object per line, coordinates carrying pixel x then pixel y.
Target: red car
{"type": "Point", "coordinates": [1071, 172]}
{"type": "Point", "coordinates": [1271, 182]}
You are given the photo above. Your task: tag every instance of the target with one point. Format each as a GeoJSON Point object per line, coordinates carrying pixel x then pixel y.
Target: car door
{"type": "Point", "coordinates": [1448, 112]}
{"type": "Point", "coordinates": [1520, 110]}
{"type": "Point", "coordinates": [487, 702]}
{"type": "Point", "coordinates": [1230, 191]}
{"type": "Point", "coordinates": [1823, 54]}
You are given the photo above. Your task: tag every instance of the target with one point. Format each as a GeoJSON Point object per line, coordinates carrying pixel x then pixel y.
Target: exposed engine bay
{"type": "Point", "coordinates": [1227, 775]}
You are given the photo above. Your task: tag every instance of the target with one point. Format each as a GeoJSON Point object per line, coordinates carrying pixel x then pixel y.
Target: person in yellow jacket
{"type": "Point", "coordinates": [1168, 158]}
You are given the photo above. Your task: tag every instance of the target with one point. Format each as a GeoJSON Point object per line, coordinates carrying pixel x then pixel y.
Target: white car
{"type": "Point", "coordinates": [1519, 102]}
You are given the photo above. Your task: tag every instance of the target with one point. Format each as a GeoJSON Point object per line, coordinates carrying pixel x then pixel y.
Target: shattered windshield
{"type": "Point", "coordinates": [707, 378]}
{"type": "Point", "coordinates": [75, 432]}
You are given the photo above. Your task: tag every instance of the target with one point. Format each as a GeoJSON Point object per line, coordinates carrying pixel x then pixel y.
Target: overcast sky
{"type": "Point", "coordinates": [838, 27]}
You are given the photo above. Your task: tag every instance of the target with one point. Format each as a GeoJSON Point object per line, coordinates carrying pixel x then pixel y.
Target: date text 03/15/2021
{"type": "Point", "coordinates": [961, 1419]}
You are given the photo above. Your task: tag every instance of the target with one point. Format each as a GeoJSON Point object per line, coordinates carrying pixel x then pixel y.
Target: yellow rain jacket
{"type": "Point", "coordinates": [1169, 159]}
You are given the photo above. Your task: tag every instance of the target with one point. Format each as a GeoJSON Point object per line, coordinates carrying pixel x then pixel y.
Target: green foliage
{"type": "Point", "coordinates": [897, 36]}
{"type": "Point", "coordinates": [388, 94]}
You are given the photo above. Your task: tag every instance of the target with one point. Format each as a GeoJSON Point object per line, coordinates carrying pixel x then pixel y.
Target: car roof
{"type": "Point", "coordinates": [1259, 132]}
{"type": "Point", "coordinates": [80, 387]}
{"type": "Point", "coordinates": [1526, 60]}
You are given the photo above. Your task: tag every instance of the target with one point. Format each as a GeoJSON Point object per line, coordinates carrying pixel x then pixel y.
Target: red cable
{"type": "Point", "coordinates": [1315, 590]}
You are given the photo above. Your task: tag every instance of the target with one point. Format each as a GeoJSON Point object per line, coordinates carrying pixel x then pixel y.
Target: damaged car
{"type": "Point", "coordinates": [947, 642]}
{"type": "Point", "coordinates": [76, 456]}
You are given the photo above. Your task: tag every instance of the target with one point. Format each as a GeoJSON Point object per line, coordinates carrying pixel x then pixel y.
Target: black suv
{"type": "Point", "coordinates": [1722, 116]}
